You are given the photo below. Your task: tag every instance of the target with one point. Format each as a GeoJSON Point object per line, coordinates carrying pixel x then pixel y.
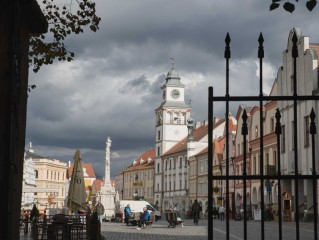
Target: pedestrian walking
{"type": "Point", "coordinates": [127, 214]}
{"type": "Point", "coordinates": [99, 208]}
{"type": "Point", "coordinates": [195, 210]}
{"type": "Point", "coordinates": [222, 213]}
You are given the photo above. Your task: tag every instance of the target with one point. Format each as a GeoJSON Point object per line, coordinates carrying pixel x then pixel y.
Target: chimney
{"type": "Point", "coordinates": [69, 163]}
{"type": "Point", "coordinates": [216, 119]}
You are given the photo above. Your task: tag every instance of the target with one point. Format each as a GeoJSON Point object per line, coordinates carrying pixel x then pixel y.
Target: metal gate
{"type": "Point", "coordinates": [263, 177]}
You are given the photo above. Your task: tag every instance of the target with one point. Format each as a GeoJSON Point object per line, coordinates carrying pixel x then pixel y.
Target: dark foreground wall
{"type": "Point", "coordinates": [18, 18]}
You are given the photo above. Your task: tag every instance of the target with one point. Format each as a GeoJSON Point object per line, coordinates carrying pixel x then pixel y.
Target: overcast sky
{"type": "Point", "coordinates": [113, 85]}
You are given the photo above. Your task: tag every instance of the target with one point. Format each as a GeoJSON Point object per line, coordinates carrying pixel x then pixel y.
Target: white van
{"type": "Point", "coordinates": [136, 206]}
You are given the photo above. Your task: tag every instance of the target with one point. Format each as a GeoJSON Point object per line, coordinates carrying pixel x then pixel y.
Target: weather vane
{"type": "Point", "coordinates": [173, 61]}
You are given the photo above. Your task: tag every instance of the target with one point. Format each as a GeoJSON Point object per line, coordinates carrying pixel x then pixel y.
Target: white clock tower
{"type": "Point", "coordinates": [170, 126]}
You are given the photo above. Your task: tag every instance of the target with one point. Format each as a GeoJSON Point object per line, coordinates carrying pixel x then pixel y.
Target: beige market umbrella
{"type": "Point", "coordinates": [77, 194]}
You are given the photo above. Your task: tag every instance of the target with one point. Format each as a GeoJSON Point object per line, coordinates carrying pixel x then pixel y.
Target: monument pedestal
{"type": "Point", "coordinates": [107, 198]}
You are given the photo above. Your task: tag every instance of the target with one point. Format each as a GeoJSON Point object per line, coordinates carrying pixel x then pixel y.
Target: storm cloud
{"type": "Point", "coordinates": [113, 85]}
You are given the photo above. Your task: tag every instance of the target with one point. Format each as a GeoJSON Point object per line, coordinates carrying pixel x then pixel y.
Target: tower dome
{"type": "Point", "coordinates": [173, 74]}
{"type": "Point", "coordinates": [173, 77]}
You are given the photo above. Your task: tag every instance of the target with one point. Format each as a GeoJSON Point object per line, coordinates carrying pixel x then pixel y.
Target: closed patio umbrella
{"type": "Point", "coordinates": [77, 194]}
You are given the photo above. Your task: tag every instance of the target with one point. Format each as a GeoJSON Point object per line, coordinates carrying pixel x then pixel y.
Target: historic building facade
{"type": "Point", "coordinates": [50, 179]}
{"type": "Point", "coordinates": [307, 84]}
{"type": "Point", "coordinates": [138, 178]}
{"type": "Point", "coordinates": [28, 183]}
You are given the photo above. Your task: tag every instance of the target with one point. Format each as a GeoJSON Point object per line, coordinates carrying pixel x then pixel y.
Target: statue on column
{"type": "Point", "coordinates": [107, 193]}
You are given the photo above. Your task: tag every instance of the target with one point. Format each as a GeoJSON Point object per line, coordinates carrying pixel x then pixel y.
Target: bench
{"type": "Point", "coordinates": [173, 220]}
{"type": "Point", "coordinates": [136, 217]}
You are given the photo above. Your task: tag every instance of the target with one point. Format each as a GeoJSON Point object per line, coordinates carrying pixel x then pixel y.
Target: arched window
{"type": "Point", "coordinates": [159, 118]}
{"type": "Point", "coordinates": [183, 118]}
{"type": "Point", "coordinates": [169, 118]}
{"type": "Point", "coordinates": [176, 119]}
{"type": "Point", "coordinates": [36, 174]}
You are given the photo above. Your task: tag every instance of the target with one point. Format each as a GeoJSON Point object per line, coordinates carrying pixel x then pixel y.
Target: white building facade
{"type": "Point", "coordinates": [170, 127]}
{"type": "Point", "coordinates": [307, 84]}
{"type": "Point", "coordinates": [28, 184]}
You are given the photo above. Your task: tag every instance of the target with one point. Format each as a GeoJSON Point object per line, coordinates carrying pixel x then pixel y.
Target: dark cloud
{"type": "Point", "coordinates": [113, 86]}
{"type": "Point", "coordinates": [138, 85]}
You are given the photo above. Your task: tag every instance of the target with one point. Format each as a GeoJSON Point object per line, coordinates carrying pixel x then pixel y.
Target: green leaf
{"type": "Point", "coordinates": [289, 7]}
{"type": "Point", "coordinates": [274, 6]}
{"type": "Point", "coordinates": [311, 4]}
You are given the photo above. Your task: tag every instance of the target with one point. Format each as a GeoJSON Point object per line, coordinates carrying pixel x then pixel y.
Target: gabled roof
{"type": "Point", "coordinates": [145, 160]}
{"type": "Point", "coordinates": [218, 146]}
{"type": "Point", "coordinates": [87, 168]}
{"type": "Point", "coordinates": [29, 154]}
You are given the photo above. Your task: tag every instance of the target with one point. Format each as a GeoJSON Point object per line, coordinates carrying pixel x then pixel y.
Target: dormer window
{"type": "Point", "coordinates": [85, 173]}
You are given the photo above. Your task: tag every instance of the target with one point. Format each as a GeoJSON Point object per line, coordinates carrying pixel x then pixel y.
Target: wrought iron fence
{"type": "Point", "coordinates": [266, 175]}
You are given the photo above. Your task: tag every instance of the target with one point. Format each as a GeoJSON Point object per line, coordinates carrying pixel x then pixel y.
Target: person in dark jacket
{"type": "Point", "coordinates": [195, 210]}
{"type": "Point", "coordinates": [144, 218]}
{"type": "Point", "coordinates": [127, 214]}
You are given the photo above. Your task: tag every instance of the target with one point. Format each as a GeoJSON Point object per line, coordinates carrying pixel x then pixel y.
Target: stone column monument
{"type": "Point", "coordinates": [107, 193]}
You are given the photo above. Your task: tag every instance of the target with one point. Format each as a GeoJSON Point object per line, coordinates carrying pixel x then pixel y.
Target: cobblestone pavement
{"type": "Point", "coordinates": [159, 230]}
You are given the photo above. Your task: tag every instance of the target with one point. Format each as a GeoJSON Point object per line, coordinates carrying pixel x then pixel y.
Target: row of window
{"type": "Point", "coordinates": [306, 136]}
{"type": "Point", "coordinates": [148, 192]}
{"type": "Point", "coordinates": [171, 118]}
{"type": "Point", "coordinates": [172, 163]}
{"type": "Point", "coordinates": [51, 175]}
{"type": "Point", "coordinates": [171, 185]}
{"type": "Point", "coordinates": [47, 194]}
{"type": "Point", "coordinates": [138, 176]}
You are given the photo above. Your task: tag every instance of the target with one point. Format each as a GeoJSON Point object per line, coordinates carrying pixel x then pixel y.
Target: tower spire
{"type": "Point", "coordinates": [173, 61]}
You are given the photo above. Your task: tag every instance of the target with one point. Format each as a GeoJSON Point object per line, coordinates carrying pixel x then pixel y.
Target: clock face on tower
{"type": "Point", "coordinates": [175, 93]}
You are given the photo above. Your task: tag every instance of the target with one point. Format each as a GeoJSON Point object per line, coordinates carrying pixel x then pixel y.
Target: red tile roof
{"type": "Point", "coordinates": [89, 170]}
{"type": "Point", "coordinates": [181, 146]}
{"type": "Point", "coordinates": [205, 150]}
{"type": "Point", "coordinates": [145, 160]}
{"type": "Point", "coordinates": [98, 184]}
